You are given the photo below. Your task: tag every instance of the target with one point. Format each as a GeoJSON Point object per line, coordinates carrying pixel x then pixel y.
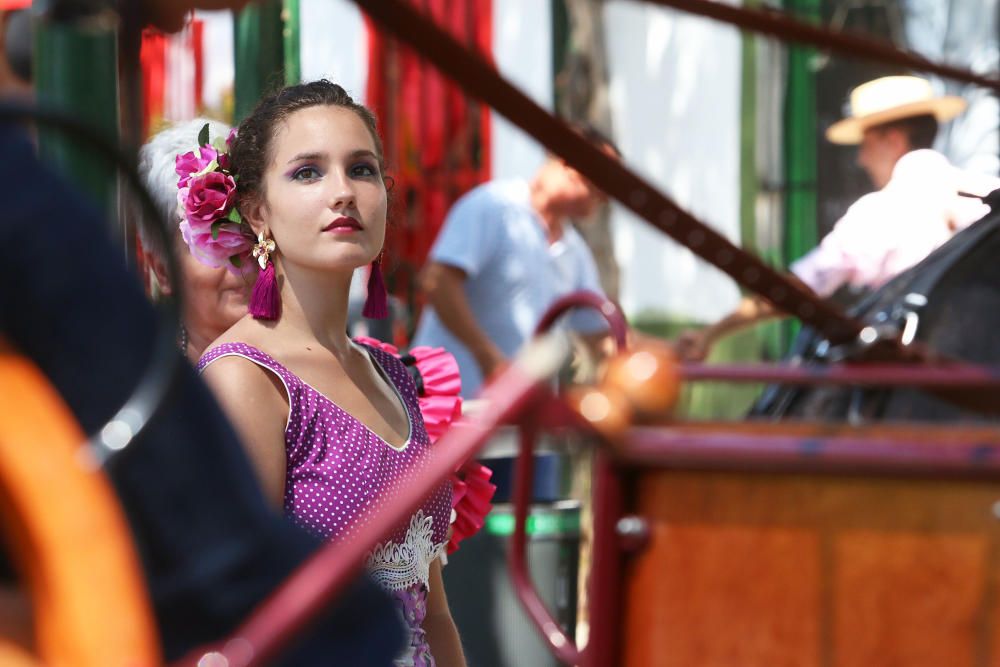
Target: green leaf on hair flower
{"type": "Point", "coordinates": [216, 226]}
{"type": "Point", "coordinates": [236, 261]}
{"type": "Point", "coordinates": [203, 136]}
{"type": "Point", "coordinates": [234, 216]}
{"type": "Point", "coordinates": [210, 167]}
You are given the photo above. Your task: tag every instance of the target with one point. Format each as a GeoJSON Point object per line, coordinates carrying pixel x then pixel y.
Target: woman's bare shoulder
{"type": "Point", "coordinates": [237, 373]}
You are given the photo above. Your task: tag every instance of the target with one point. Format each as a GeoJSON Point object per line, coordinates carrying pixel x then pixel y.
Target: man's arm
{"type": "Point", "coordinates": [694, 345]}
{"type": "Point", "coordinates": [445, 288]}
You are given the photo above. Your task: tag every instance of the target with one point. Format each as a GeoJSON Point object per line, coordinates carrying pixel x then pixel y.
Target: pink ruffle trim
{"type": "Point", "coordinates": [440, 371]}
{"type": "Point", "coordinates": [374, 342]}
{"type": "Point", "coordinates": [440, 405]}
{"type": "Point", "coordinates": [470, 497]}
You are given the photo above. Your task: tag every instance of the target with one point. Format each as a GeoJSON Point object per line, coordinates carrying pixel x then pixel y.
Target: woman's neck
{"type": "Point", "coordinates": [314, 306]}
{"type": "Point", "coordinates": [197, 342]}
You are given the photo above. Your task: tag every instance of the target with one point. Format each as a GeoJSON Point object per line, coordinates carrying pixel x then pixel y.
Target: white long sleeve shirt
{"type": "Point", "coordinates": [888, 231]}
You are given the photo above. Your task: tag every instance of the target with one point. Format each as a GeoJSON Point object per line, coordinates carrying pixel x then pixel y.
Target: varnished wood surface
{"type": "Point", "coordinates": [758, 570]}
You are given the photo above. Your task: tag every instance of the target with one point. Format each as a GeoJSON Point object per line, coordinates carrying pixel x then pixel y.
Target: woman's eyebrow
{"type": "Point", "coordinates": [308, 156]}
{"type": "Point", "coordinates": [363, 152]}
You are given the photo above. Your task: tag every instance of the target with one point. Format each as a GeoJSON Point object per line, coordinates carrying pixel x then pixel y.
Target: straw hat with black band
{"type": "Point", "coordinates": [889, 99]}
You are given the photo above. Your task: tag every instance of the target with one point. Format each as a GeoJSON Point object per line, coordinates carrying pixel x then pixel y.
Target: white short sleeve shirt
{"type": "Point", "coordinates": [514, 274]}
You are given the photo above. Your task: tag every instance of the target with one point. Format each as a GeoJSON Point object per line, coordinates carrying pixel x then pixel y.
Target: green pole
{"type": "Point", "coordinates": [800, 153]}
{"type": "Point", "coordinates": [292, 41]}
{"type": "Point", "coordinates": [76, 69]}
{"type": "Point", "coordinates": [260, 51]}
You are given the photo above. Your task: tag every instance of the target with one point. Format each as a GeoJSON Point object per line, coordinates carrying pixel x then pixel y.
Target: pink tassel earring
{"type": "Point", "coordinates": [376, 305]}
{"type": "Point", "coordinates": [265, 302]}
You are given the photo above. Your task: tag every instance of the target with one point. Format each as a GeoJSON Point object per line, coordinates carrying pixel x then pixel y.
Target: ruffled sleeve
{"type": "Point", "coordinates": [439, 385]}
{"type": "Point", "coordinates": [470, 498]}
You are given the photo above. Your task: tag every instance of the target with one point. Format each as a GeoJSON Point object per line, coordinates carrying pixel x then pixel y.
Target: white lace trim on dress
{"type": "Point", "coordinates": [397, 566]}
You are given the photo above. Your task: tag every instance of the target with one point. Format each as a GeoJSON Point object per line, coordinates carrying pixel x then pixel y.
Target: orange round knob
{"type": "Point", "coordinates": [606, 409]}
{"type": "Point", "coordinates": [649, 376]}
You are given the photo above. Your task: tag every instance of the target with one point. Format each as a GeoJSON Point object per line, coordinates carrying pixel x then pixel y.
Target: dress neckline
{"type": "Point", "coordinates": [373, 360]}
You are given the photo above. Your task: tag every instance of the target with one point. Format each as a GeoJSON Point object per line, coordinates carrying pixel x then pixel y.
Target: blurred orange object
{"type": "Point", "coordinates": [605, 408]}
{"type": "Point", "coordinates": [67, 534]}
{"type": "Point", "coordinates": [11, 5]}
{"type": "Point", "coordinates": [648, 375]}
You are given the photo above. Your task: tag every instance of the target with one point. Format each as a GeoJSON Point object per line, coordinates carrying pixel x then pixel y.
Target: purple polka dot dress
{"type": "Point", "coordinates": [337, 469]}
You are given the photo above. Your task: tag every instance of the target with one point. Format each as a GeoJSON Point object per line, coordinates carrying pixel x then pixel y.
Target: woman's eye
{"type": "Point", "coordinates": [363, 170]}
{"type": "Point", "coordinates": [306, 174]}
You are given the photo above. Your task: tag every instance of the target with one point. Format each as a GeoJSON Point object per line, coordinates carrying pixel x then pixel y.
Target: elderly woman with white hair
{"type": "Point", "coordinates": [214, 298]}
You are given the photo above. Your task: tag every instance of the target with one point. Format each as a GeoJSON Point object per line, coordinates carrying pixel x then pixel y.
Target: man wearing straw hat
{"type": "Point", "coordinates": [915, 208]}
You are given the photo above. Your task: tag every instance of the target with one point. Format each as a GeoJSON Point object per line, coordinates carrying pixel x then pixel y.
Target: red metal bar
{"type": "Point", "coordinates": [306, 593]}
{"type": "Point", "coordinates": [867, 451]}
{"type": "Point", "coordinates": [778, 25]}
{"type": "Point", "coordinates": [583, 299]}
{"type": "Point", "coordinates": [481, 80]}
{"type": "Point", "coordinates": [949, 376]}
{"type": "Point", "coordinates": [604, 601]}
{"type": "Point", "coordinates": [559, 644]}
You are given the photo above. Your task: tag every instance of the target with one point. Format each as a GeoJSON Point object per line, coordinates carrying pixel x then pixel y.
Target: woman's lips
{"type": "Point", "coordinates": [343, 225]}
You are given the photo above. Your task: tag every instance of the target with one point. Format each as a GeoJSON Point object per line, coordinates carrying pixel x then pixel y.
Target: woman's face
{"type": "Point", "coordinates": [325, 198]}
{"type": "Point", "coordinates": [214, 298]}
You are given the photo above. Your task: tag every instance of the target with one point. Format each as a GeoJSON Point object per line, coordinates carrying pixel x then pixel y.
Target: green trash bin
{"type": "Point", "coordinates": [494, 628]}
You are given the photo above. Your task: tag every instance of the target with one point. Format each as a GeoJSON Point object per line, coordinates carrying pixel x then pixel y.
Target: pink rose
{"type": "Point", "coordinates": [191, 163]}
{"type": "Point", "coordinates": [209, 198]}
{"type": "Point", "coordinates": [216, 252]}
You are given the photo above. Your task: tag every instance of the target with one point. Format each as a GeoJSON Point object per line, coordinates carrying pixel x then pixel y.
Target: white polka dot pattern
{"type": "Point", "coordinates": [338, 471]}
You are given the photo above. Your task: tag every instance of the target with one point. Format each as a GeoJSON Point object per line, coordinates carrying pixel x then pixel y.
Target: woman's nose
{"type": "Point", "coordinates": [343, 193]}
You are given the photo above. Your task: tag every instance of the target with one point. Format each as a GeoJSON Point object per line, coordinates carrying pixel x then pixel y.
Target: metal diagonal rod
{"type": "Point", "coordinates": [929, 376]}
{"type": "Point", "coordinates": [776, 24]}
{"type": "Point", "coordinates": [479, 78]}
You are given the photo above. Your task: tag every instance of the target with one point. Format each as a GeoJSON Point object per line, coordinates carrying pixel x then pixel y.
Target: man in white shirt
{"type": "Point", "coordinates": [915, 209]}
{"type": "Point", "coordinates": [506, 252]}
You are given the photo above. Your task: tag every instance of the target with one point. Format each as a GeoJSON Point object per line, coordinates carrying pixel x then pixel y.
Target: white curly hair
{"type": "Point", "coordinates": [156, 166]}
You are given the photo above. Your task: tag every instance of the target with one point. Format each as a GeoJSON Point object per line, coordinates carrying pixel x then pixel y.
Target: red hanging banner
{"type": "Point", "coordinates": [437, 138]}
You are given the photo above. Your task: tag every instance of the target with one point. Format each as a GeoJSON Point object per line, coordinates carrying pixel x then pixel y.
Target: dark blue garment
{"type": "Point", "coordinates": [211, 547]}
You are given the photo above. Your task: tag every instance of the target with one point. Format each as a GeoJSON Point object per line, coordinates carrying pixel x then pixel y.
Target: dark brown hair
{"type": "Point", "coordinates": [919, 130]}
{"type": "Point", "coordinates": [251, 150]}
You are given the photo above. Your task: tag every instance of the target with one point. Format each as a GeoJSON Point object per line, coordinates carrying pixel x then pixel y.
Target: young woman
{"type": "Point", "coordinates": [331, 425]}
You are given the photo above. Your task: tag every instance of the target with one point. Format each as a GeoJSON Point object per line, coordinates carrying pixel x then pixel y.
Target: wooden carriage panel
{"type": "Point", "coordinates": [761, 570]}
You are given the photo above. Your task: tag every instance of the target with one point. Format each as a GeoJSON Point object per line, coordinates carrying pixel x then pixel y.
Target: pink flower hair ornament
{"type": "Point", "coordinates": [206, 196]}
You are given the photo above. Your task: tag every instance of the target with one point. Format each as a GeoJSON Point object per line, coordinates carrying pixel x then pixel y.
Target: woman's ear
{"type": "Point", "coordinates": [252, 211]}
{"type": "Point", "coordinates": [159, 269]}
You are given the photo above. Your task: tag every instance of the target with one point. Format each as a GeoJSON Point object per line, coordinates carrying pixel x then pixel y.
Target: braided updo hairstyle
{"type": "Point", "coordinates": [251, 150]}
